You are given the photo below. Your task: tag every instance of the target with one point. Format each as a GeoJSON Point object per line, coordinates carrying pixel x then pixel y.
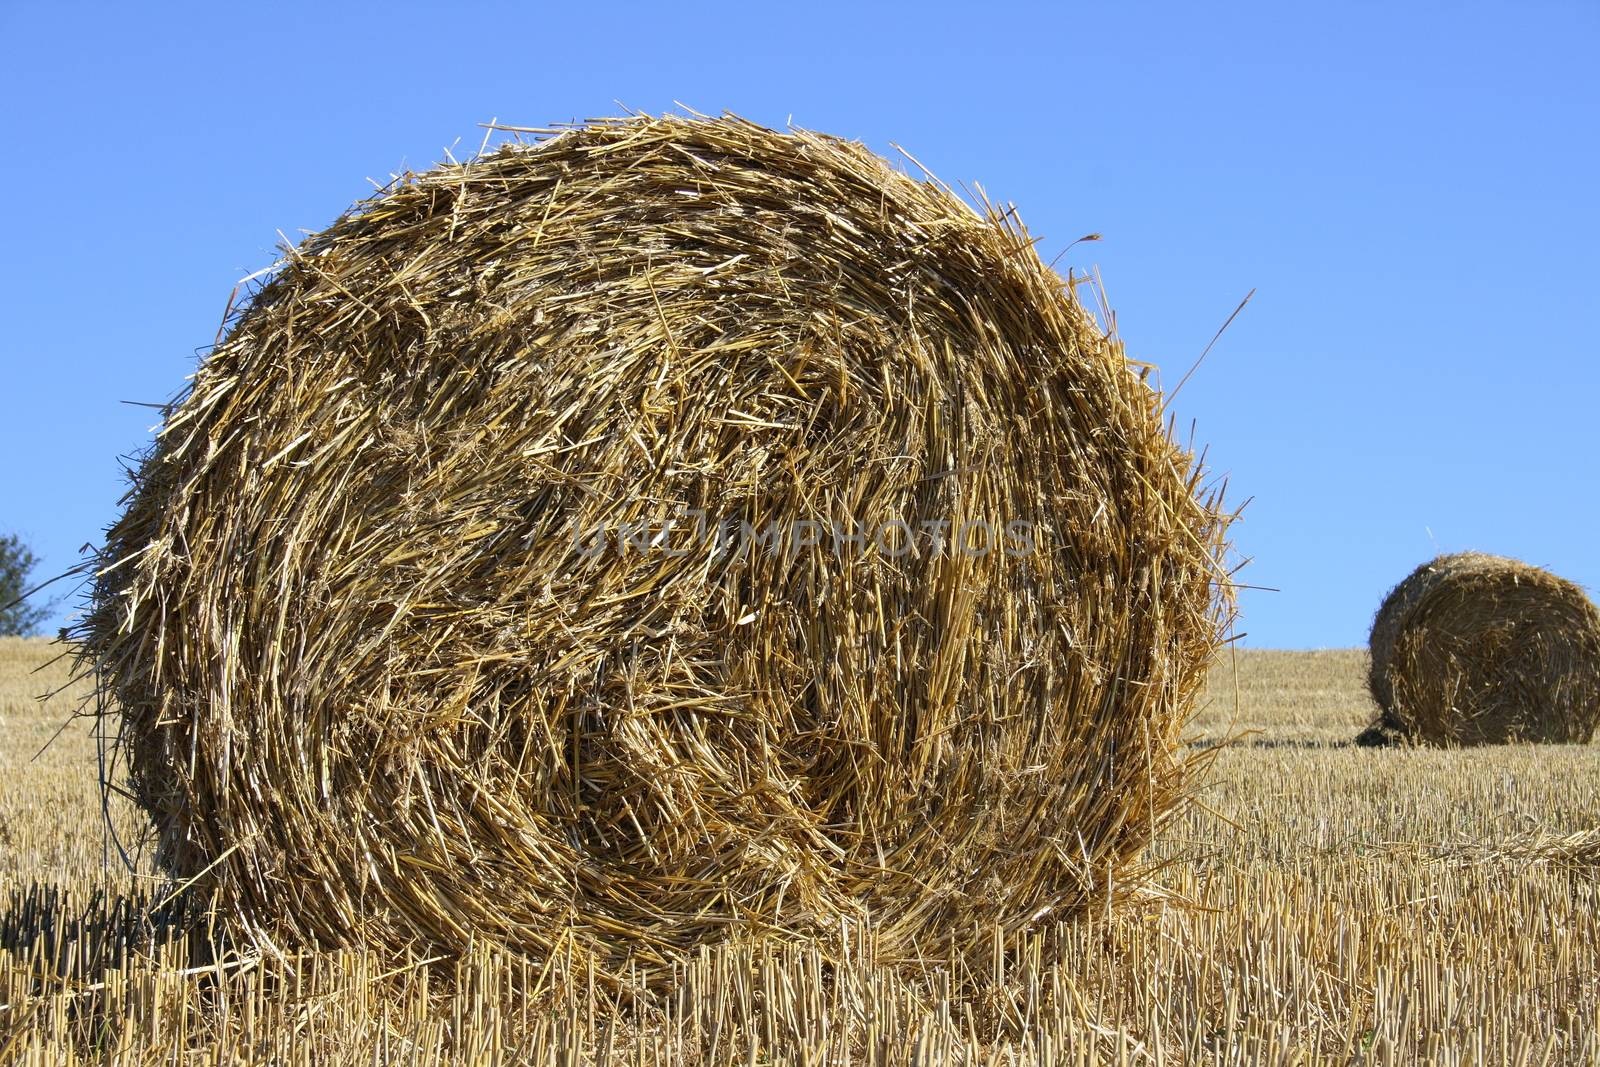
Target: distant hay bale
{"type": "Point", "coordinates": [543, 558]}
{"type": "Point", "coordinates": [1473, 649]}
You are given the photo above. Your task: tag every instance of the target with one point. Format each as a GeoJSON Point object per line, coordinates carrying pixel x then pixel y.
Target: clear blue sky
{"type": "Point", "coordinates": [1411, 188]}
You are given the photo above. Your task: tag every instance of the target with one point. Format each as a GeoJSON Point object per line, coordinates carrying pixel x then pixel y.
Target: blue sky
{"type": "Point", "coordinates": [1410, 188]}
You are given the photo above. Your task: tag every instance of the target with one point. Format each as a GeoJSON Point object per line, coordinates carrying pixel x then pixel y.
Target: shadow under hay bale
{"type": "Point", "coordinates": [1473, 649]}
{"type": "Point", "coordinates": [72, 938]}
{"type": "Point", "coordinates": [544, 559]}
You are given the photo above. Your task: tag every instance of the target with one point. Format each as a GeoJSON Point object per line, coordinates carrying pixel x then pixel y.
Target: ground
{"type": "Point", "coordinates": [1317, 903]}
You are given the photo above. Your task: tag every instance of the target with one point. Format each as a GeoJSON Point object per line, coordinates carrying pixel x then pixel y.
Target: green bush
{"type": "Point", "coordinates": [17, 617]}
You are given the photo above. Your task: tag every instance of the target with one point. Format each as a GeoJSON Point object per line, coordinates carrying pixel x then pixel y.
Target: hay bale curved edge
{"type": "Point", "coordinates": [543, 558]}
{"type": "Point", "coordinates": [1474, 649]}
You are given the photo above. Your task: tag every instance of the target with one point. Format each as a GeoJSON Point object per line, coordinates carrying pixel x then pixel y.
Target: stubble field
{"type": "Point", "coordinates": [1319, 903]}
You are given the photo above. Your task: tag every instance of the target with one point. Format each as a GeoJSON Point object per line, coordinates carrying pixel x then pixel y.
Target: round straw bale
{"type": "Point", "coordinates": [551, 555]}
{"type": "Point", "coordinates": [1473, 649]}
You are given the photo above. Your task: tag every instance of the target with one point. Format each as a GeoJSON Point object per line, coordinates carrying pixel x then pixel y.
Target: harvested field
{"type": "Point", "coordinates": [1327, 904]}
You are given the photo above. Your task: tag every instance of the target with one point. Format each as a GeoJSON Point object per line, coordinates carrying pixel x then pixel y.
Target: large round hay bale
{"type": "Point", "coordinates": [406, 652]}
{"type": "Point", "coordinates": [1473, 649]}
